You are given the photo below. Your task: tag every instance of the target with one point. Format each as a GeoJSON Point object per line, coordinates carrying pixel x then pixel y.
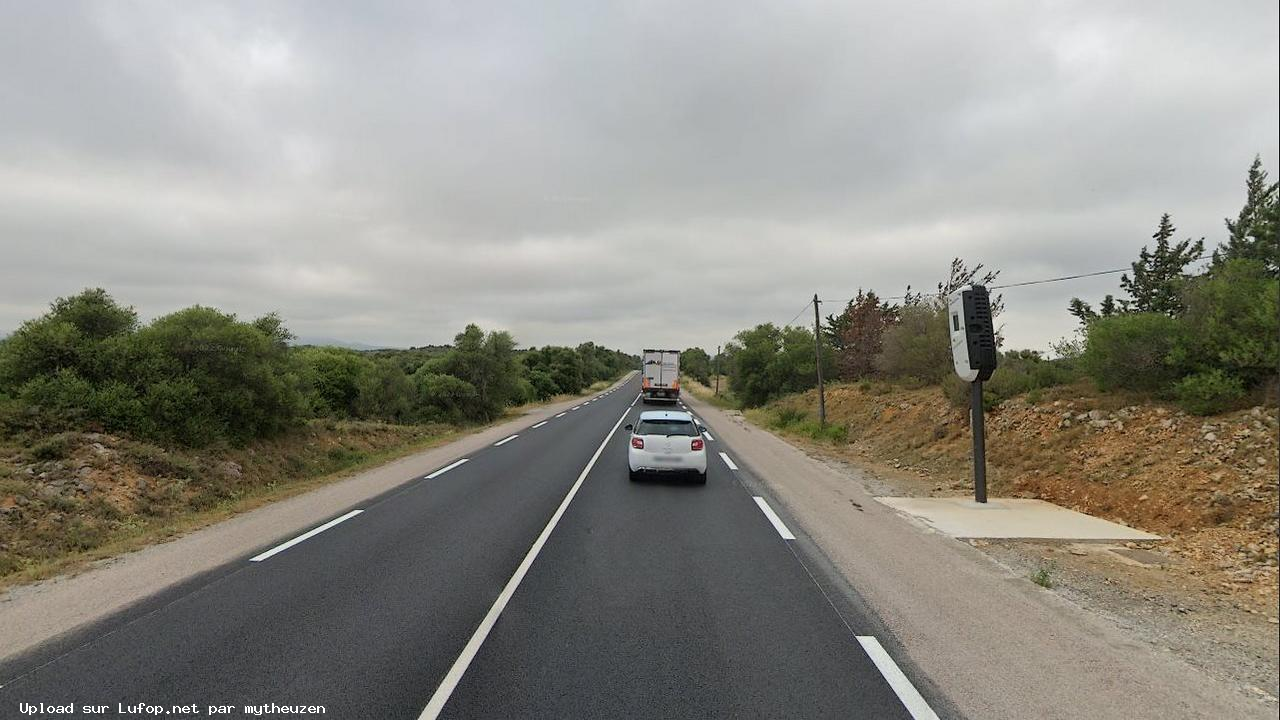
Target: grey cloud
{"type": "Point", "coordinates": [386, 172]}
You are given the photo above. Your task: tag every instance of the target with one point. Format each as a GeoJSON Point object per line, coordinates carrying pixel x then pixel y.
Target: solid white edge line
{"type": "Point", "coordinates": [727, 461]}
{"type": "Point", "coordinates": [445, 469]}
{"type": "Point", "coordinates": [460, 665]}
{"type": "Point", "coordinates": [773, 518]}
{"type": "Point", "coordinates": [304, 536]}
{"type": "Point", "coordinates": [505, 440]}
{"type": "Point", "coordinates": [535, 427]}
{"type": "Point", "coordinates": [704, 432]}
{"type": "Point", "coordinates": [902, 687]}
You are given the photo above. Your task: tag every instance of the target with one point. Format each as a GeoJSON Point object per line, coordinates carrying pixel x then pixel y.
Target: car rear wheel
{"type": "Point", "coordinates": [633, 475]}
{"type": "Point", "coordinates": [700, 478]}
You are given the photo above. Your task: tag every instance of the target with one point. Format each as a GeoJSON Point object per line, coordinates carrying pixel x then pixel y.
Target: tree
{"type": "Point", "coordinates": [77, 334]}
{"type": "Point", "coordinates": [1253, 234]}
{"type": "Point", "coordinates": [1156, 283]}
{"type": "Point", "coordinates": [696, 363]}
{"type": "Point", "coordinates": [862, 326]}
{"type": "Point", "coordinates": [487, 363]}
{"type": "Point", "coordinates": [1232, 322]}
{"type": "Point", "coordinates": [766, 362]}
{"type": "Point", "coordinates": [918, 346]}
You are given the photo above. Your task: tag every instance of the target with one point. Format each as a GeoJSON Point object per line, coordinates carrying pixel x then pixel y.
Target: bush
{"type": "Point", "coordinates": [1209, 392]}
{"type": "Point", "coordinates": [1133, 352]}
{"type": "Point", "coordinates": [918, 346]}
{"type": "Point", "coordinates": [445, 398]}
{"type": "Point", "coordinates": [1017, 372]}
{"type": "Point", "coordinates": [1232, 322]}
{"type": "Point", "coordinates": [56, 447]}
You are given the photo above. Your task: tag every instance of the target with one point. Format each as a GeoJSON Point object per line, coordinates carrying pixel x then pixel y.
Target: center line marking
{"type": "Point", "coordinates": [460, 665]}
{"type": "Point", "coordinates": [727, 461]}
{"type": "Point", "coordinates": [773, 518]}
{"type": "Point", "coordinates": [309, 534]}
{"type": "Point", "coordinates": [505, 440]}
{"type": "Point", "coordinates": [445, 469]}
{"type": "Point", "coordinates": [535, 427]}
{"type": "Point", "coordinates": [902, 687]}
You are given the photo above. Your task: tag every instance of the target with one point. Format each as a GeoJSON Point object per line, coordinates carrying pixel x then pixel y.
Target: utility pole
{"type": "Point", "coordinates": [717, 370]}
{"type": "Point", "coordinates": [817, 353]}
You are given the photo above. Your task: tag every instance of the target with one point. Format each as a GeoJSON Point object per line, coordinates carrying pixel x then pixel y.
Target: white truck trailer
{"type": "Point", "coordinates": [661, 375]}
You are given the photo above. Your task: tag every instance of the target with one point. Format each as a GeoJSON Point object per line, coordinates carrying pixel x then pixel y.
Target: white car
{"type": "Point", "coordinates": [667, 441]}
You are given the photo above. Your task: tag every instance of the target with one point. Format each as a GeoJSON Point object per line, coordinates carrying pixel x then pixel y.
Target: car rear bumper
{"type": "Point", "coordinates": [645, 461]}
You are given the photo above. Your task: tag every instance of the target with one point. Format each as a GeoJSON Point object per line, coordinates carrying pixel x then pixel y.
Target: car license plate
{"type": "Point", "coordinates": [666, 458]}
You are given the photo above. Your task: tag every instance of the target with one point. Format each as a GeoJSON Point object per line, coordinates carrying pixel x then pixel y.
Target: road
{"type": "Point", "coordinates": [530, 579]}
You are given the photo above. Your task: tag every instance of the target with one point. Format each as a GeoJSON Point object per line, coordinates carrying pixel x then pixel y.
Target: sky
{"type": "Point", "coordinates": [639, 174]}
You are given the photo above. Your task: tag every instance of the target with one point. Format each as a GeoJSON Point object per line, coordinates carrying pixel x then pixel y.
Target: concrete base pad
{"type": "Point", "coordinates": [1011, 518]}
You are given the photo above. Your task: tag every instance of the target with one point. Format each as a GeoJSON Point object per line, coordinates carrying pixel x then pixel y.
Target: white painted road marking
{"type": "Point", "coordinates": [905, 691]}
{"type": "Point", "coordinates": [575, 407]}
{"type": "Point", "coordinates": [708, 435]}
{"type": "Point", "coordinates": [773, 518]}
{"type": "Point", "coordinates": [535, 427]}
{"type": "Point", "coordinates": [562, 414]}
{"type": "Point", "coordinates": [727, 461]}
{"type": "Point", "coordinates": [309, 534]}
{"type": "Point", "coordinates": [460, 665]}
{"type": "Point", "coordinates": [445, 469]}
{"type": "Point", "coordinates": [505, 440]}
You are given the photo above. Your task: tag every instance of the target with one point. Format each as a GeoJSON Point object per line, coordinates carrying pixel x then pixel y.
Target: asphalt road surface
{"type": "Point", "coordinates": [530, 580]}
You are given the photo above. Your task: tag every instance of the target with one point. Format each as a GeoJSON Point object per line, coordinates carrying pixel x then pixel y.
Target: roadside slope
{"type": "Point", "coordinates": [996, 645]}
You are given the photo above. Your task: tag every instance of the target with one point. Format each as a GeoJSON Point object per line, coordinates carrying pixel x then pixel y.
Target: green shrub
{"type": "Point", "coordinates": [1232, 322]}
{"type": "Point", "coordinates": [918, 346]}
{"type": "Point", "coordinates": [1209, 392]}
{"type": "Point", "coordinates": [57, 447]}
{"type": "Point", "coordinates": [1133, 352]}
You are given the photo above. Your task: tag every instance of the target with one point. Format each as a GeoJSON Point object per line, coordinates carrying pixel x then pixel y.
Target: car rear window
{"type": "Point", "coordinates": [666, 427]}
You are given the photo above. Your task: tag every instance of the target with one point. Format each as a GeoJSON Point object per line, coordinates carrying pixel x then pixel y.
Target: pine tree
{"type": "Point", "coordinates": [1157, 278]}
{"type": "Point", "coordinates": [1253, 234]}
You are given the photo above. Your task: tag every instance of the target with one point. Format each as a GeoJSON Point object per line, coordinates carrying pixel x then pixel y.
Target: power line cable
{"type": "Point", "coordinates": [1043, 281]}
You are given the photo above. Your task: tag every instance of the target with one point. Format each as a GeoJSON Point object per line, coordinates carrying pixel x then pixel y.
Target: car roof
{"type": "Point", "coordinates": [666, 415]}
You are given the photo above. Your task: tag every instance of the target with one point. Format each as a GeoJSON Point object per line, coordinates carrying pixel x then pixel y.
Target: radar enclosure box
{"type": "Point", "coordinates": [973, 335]}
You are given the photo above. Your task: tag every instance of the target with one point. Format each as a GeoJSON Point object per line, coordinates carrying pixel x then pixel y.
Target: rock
{"type": "Point", "coordinates": [232, 469]}
{"type": "Point", "coordinates": [141, 484]}
{"type": "Point", "coordinates": [1144, 498]}
{"type": "Point", "coordinates": [98, 448]}
{"type": "Point", "coordinates": [1096, 415]}
{"type": "Point", "coordinates": [1260, 460]}
{"type": "Point", "coordinates": [1099, 424]}
{"type": "Point", "coordinates": [1210, 437]}
{"type": "Point", "coordinates": [1078, 551]}
{"type": "Point", "coordinates": [85, 486]}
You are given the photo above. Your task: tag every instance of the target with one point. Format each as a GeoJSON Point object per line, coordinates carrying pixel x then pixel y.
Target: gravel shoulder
{"type": "Point", "coordinates": [997, 645]}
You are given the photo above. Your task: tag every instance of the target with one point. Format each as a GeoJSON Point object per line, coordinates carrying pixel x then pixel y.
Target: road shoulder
{"type": "Point", "coordinates": [993, 643]}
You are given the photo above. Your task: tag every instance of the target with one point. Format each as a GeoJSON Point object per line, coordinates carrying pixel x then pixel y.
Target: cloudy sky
{"type": "Point", "coordinates": [637, 173]}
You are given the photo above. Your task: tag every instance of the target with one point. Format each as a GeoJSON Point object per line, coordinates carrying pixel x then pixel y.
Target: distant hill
{"type": "Point", "coordinates": [334, 342]}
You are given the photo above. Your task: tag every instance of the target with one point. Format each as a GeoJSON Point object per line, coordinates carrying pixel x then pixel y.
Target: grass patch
{"type": "Point", "coordinates": [1043, 575]}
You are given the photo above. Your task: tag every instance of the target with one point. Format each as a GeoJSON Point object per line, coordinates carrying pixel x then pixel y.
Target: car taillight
{"type": "Point", "coordinates": [637, 443]}
{"type": "Point", "coordinates": [696, 444]}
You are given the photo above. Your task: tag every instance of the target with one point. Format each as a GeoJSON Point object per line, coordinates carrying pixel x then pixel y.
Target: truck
{"type": "Point", "coordinates": [660, 376]}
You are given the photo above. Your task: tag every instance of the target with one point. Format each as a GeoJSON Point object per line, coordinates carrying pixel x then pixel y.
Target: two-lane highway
{"type": "Point", "coordinates": [530, 579]}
